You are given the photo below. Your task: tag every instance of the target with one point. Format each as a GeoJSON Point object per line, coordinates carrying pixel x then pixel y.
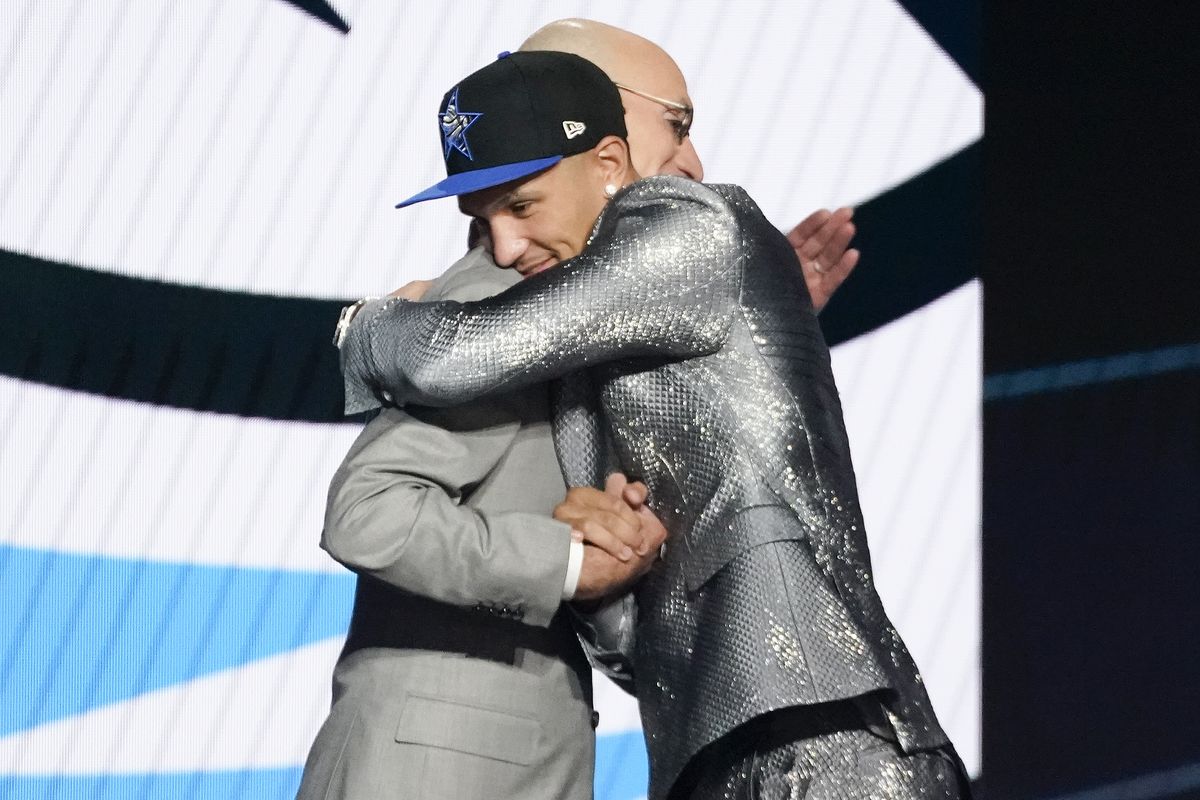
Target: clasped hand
{"type": "Point", "coordinates": [621, 535]}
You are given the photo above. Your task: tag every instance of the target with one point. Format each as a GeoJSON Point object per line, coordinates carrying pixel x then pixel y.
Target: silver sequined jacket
{"type": "Point", "coordinates": [684, 336]}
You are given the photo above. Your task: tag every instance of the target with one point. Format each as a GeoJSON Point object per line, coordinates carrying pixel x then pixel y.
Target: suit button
{"type": "Point", "coordinates": [595, 719]}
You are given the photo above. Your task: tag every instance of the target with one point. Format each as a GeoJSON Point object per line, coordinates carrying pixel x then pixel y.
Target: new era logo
{"type": "Point", "coordinates": [572, 128]}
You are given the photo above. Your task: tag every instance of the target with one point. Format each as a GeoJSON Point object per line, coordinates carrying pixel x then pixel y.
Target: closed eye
{"type": "Point", "coordinates": [680, 128]}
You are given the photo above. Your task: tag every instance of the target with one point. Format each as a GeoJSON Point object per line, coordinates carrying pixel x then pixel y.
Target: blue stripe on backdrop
{"type": "Point", "coordinates": [1165, 783]}
{"type": "Point", "coordinates": [81, 631]}
{"type": "Point", "coordinates": [622, 771]}
{"type": "Point", "coordinates": [1091, 371]}
{"type": "Point", "coordinates": [250, 784]}
{"type": "Point", "coordinates": [621, 774]}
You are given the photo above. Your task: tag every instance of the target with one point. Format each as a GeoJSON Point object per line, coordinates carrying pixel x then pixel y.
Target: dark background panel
{"type": "Point", "coordinates": [1091, 590]}
{"type": "Point", "coordinates": [1091, 495]}
{"type": "Point", "coordinates": [1092, 228]}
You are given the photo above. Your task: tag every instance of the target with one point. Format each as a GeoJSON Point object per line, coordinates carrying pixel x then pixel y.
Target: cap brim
{"type": "Point", "coordinates": [473, 181]}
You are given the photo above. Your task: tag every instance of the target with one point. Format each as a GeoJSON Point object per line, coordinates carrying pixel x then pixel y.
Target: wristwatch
{"type": "Point", "coordinates": [344, 319]}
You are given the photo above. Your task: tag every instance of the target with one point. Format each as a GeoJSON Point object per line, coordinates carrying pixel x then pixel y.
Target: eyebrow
{"type": "Point", "coordinates": [503, 200]}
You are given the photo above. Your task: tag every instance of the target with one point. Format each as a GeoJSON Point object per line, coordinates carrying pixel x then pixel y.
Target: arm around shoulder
{"type": "Point", "coordinates": [659, 279]}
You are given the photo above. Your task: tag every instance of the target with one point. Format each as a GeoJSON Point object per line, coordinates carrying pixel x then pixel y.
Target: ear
{"type": "Point", "coordinates": [612, 159]}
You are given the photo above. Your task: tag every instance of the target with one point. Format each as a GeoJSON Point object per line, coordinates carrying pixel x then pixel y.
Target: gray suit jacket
{"type": "Point", "coordinates": [461, 677]}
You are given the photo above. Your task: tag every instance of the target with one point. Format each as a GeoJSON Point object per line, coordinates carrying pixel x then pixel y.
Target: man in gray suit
{"type": "Point", "coordinates": [461, 676]}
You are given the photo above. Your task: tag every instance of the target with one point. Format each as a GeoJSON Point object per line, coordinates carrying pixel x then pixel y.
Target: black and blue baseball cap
{"type": "Point", "coordinates": [521, 114]}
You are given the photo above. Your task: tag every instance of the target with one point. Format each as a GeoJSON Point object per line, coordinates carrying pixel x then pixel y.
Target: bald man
{"type": "Point", "coordinates": [461, 676]}
{"type": "Point", "coordinates": [655, 95]}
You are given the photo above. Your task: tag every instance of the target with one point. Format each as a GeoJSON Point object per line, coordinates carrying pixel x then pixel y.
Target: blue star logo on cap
{"type": "Point", "coordinates": [454, 126]}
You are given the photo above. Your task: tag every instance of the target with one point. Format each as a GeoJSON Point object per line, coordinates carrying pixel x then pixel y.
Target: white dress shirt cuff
{"type": "Point", "coordinates": [574, 567]}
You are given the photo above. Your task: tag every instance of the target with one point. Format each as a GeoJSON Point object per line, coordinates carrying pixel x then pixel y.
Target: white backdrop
{"type": "Point", "coordinates": [244, 145]}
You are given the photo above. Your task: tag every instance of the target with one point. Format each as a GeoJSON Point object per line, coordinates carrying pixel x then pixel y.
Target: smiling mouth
{"type": "Point", "coordinates": [529, 272]}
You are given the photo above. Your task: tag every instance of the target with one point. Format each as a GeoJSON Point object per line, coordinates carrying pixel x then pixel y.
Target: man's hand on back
{"type": "Point", "coordinates": [820, 242]}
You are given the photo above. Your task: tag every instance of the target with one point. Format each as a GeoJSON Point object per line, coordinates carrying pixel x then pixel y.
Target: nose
{"type": "Point", "coordinates": [687, 161]}
{"type": "Point", "coordinates": [508, 245]}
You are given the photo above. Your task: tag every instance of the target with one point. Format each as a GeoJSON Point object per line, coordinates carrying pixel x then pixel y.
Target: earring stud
{"type": "Point", "coordinates": [609, 190]}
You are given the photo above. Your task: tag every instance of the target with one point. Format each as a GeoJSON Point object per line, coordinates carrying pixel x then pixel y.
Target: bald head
{"type": "Point", "coordinates": [638, 63]}
{"type": "Point", "coordinates": [625, 56]}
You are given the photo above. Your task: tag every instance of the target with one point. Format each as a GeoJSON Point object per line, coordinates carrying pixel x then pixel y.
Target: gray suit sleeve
{"type": "Point", "coordinates": [657, 280]}
{"type": "Point", "coordinates": [395, 511]}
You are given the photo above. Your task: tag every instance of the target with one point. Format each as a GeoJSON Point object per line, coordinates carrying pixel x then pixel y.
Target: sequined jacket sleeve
{"type": "Point", "coordinates": [658, 279]}
{"type": "Point", "coordinates": [580, 435]}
